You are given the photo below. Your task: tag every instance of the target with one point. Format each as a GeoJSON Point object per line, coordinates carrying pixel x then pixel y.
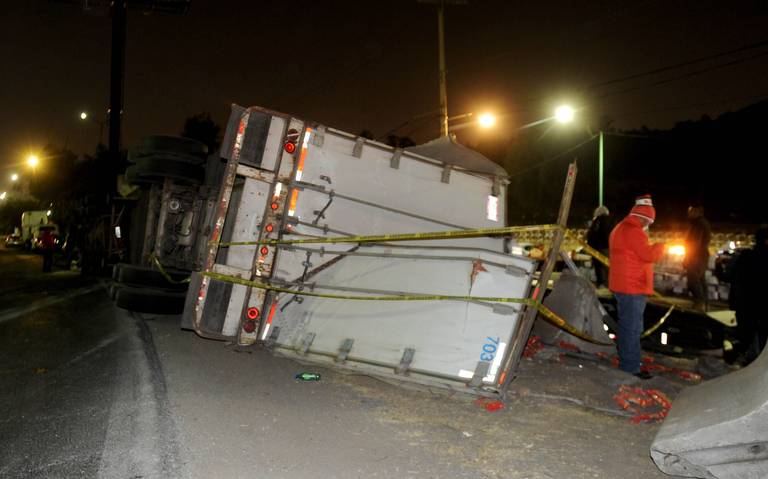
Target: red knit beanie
{"type": "Point", "coordinates": [644, 208]}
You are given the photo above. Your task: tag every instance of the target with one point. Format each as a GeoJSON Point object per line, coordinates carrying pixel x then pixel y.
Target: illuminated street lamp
{"type": "Point", "coordinates": [85, 116]}
{"type": "Point", "coordinates": [14, 177]}
{"type": "Point", "coordinates": [564, 114]}
{"type": "Point", "coordinates": [3, 195]}
{"type": "Point", "coordinates": [487, 120]}
{"type": "Point", "coordinates": [33, 161]}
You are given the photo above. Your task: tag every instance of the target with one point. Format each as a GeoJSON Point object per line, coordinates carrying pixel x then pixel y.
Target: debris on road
{"type": "Point", "coordinates": [489, 405]}
{"type": "Point", "coordinates": [307, 377]}
{"type": "Point", "coordinates": [533, 346]}
{"type": "Point", "coordinates": [649, 405]}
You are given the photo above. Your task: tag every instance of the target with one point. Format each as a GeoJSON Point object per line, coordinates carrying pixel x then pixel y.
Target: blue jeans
{"type": "Point", "coordinates": [631, 308]}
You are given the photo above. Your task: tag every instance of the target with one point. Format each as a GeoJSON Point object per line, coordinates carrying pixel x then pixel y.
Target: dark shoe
{"type": "Point", "coordinates": [644, 375]}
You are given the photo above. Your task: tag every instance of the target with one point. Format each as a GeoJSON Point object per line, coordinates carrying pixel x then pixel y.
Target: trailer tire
{"type": "Point", "coordinates": [140, 156]}
{"type": "Point", "coordinates": [179, 145]}
{"type": "Point", "coordinates": [140, 276]}
{"type": "Point", "coordinates": [112, 291]}
{"type": "Point", "coordinates": [149, 300]}
{"type": "Point", "coordinates": [151, 170]}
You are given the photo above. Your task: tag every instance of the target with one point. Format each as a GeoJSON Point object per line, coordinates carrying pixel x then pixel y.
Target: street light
{"type": "Point", "coordinates": [487, 120]}
{"type": "Point", "coordinates": [3, 195]}
{"type": "Point", "coordinates": [484, 120]}
{"type": "Point", "coordinates": [84, 116]}
{"type": "Point", "coordinates": [564, 114]}
{"type": "Point", "coordinates": [14, 177]}
{"type": "Point", "coordinates": [33, 161]}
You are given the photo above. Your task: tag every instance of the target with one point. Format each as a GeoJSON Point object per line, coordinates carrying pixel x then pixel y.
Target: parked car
{"type": "Point", "coordinates": [13, 241]}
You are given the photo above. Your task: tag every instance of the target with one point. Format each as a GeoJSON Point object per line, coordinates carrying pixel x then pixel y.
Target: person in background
{"type": "Point", "coordinates": [597, 237]}
{"type": "Point", "coordinates": [630, 279]}
{"type": "Point", "coordinates": [749, 288]}
{"type": "Point", "coordinates": [47, 244]}
{"type": "Point", "coordinates": [697, 255]}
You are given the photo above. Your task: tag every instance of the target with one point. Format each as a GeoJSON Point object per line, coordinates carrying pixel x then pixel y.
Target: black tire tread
{"type": "Point", "coordinates": [141, 276]}
{"type": "Point", "coordinates": [148, 300]}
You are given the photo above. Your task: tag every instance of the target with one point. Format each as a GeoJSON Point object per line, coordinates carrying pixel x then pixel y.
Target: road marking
{"type": "Point", "coordinates": [10, 314]}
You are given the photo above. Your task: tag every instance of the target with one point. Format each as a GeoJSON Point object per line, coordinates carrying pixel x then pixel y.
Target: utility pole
{"type": "Point", "coordinates": [117, 77]}
{"type": "Point", "coordinates": [441, 55]}
{"type": "Point", "coordinates": [441, 58]}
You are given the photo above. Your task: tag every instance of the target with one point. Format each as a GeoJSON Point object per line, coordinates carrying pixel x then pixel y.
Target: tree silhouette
{"type": "Point", "coordinates": [202, 128]}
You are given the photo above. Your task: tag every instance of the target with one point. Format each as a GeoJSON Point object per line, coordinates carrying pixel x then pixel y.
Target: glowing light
{"type": "Point", "coordinates": [565, 114]}
{"type": "Point", "coordinates": [48, 213]}
{"type": "Point", "coordinates": [3, 195]}
{"type": "Point", "coordinates": [83, 116]}
{"type": "Point", "coordinates": [492, 208]}
{"type": "Point", "coordinates": [664, 338]}
{"type": "Point", "coordinates": [676, 250]}
{"type": "Point", "coordinates": [487, 120]}
{"type": "Point", "coordinates": [605, 327]}
{"type": "Point", "coordinates": [14, 177]}
{"type": "Point", "coordinates": [33, 161]}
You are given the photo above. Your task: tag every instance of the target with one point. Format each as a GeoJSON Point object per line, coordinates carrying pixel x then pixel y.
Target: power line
{"type": "Point", "coordinates": [679, 65]}
{"type": "Point", "coordinates": [694, 105]}
{"type": "Point", "coordinates": [556, 157]}
{"type": "Point", "coordinates": [686, 75]}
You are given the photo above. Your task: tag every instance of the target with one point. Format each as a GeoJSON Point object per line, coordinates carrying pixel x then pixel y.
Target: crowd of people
{"type": "Point", "coordinates": [631, 274]}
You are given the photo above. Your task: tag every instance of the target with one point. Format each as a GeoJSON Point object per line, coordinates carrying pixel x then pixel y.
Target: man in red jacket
{"type": "Point", "coordinates": [631, 279]}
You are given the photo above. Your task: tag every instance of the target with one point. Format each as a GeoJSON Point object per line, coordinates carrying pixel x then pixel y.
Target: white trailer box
{"type": "Point", "coordinates": [291, 179]}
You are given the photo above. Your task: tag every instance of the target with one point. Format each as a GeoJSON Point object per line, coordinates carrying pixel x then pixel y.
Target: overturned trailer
{"type": "Point", "coordinates": [315, 249]}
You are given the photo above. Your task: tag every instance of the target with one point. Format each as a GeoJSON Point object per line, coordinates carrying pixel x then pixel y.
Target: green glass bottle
{"type": "Point", "coordinates": [307, 377]}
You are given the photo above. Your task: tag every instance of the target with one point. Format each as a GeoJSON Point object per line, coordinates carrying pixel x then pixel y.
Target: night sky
{"type": "Point", "coordinates": [371, 65]}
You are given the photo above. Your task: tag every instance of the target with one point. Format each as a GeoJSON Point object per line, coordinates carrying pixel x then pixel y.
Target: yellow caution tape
{"type": "Point", "coordinates": [588, 249]}
{"type": "Point", "coordinates": [165, 274]}
{"type": "Point", "coordinates": [658, 324]}
{"type": "Point", "coordinates": [546, 313]}
{"type": "Point", "coordinates": [435, 235]}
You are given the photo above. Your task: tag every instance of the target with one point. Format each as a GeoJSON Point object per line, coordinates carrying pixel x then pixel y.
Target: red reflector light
{"type": "Point", "coordinates": [253, 313]}
{"type": "Point", "coordinates": [274, 206]}
{"type": "Point", "coordinates": [249, 326]}
{"type": "Point", "coordinates": [269, 228]}
{"type": "Point", "coordinates": [290, 147]}
{"type": "Point", "coordinates": [264, 250]}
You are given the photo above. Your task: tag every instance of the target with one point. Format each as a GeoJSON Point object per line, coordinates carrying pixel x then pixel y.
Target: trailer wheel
{"type": "Point", "coordinates": [157, 144]}
{"type": "Point", "coordinates": [112, 291]}
{"type": "Point", "coordinates": [141, 276]}
{"type": "Point", "coordinates": [150, 170]}
{"type": "Point", "coordinates": [141, 156]}
{"type": "Point", "coordinates": [149, 300]}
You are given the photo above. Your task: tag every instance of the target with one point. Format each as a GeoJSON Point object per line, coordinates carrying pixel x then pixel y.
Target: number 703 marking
{"type": "Point", "coordinates": [489, 349]}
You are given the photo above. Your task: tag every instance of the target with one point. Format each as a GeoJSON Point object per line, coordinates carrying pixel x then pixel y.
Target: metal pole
{"type": "Point", "coordinates": [525, 323]}
{"type": "Point", "coordinates": [441, 53]}
{"type": "Point", "coordinates": [600, 171]}
{"type": "Point", "coordinates": [117, 67]}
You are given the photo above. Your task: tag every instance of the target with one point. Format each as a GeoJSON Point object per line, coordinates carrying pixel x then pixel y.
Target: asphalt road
{"type": "Point", "coordinates": [87, 390]}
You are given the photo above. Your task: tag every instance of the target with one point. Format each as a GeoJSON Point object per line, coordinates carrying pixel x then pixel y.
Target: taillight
{"type": "Point", "coordinates": [290, 147]}
{"type": "Point", "coordinates": [269, 228]}
{"type": "Point", "coordinates": [264, 250]}
{"type": "Point", "coordinates": [249, 326]}
{"type": "Point", "coordinates": [252, 313]}
{"type": "Point", "coordinates": [274, 206]}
